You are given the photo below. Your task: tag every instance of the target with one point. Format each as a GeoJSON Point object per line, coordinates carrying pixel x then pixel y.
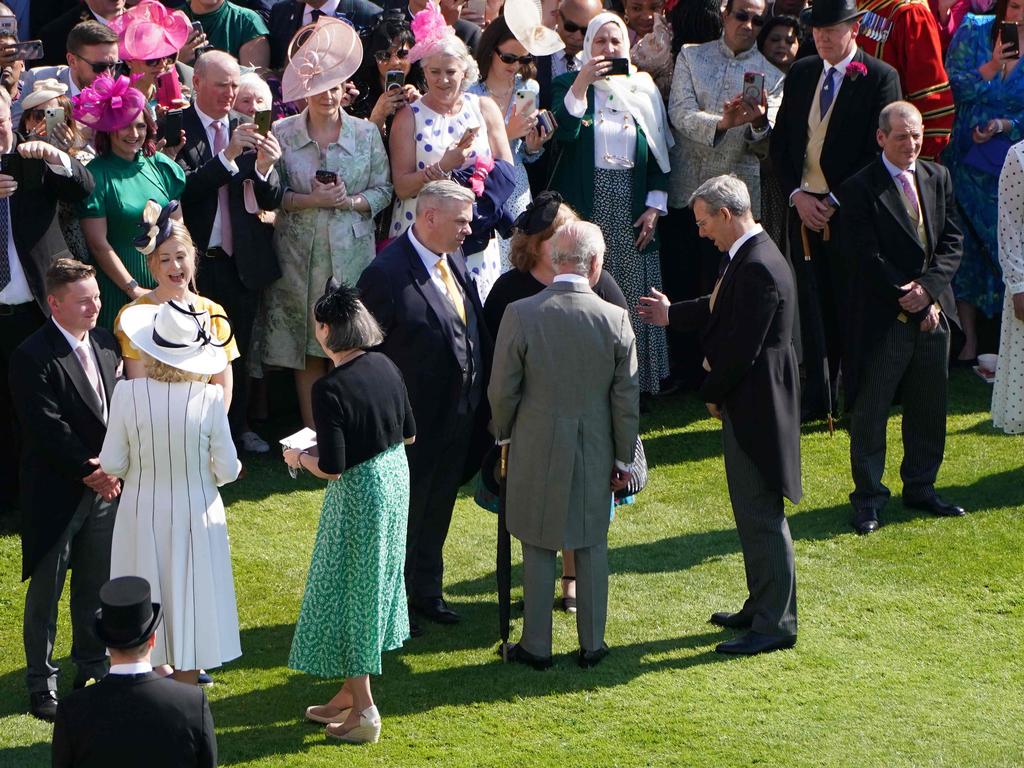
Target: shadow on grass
{"type": "Point", "coordinates": [23, 757]}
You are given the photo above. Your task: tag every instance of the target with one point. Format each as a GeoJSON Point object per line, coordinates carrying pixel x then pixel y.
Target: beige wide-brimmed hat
{"type": "Point", "coordinates": [176, 335]}
{"type": "Point", "coordinates": [524, 20]}
{"type": "Point", "coordinates": [328, 56]}
{"type": "Point", "coordinates": [43, 91]}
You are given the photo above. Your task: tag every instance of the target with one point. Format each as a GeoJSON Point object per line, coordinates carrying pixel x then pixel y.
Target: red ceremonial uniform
{"type": "Point", "coordinates": [905, 35]}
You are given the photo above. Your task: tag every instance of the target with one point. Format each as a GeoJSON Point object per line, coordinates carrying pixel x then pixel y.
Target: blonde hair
{"type": "Point", "coordinates": [180, 235]}
{"type": "Point", "coordinates": [452, 46]}
{"type": "Point", "coordinates": [525, 249]}
{"type": "Point", "coordinates": [160, 371]}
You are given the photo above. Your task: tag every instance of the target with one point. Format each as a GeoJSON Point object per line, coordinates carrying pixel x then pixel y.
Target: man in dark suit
{"type": "Point", "coordinates": [55, 34]}
{"type": "Point", "coordinates": [824, 133]}
{"type": "Point", "coordinates": [753, 386]}
{"type": "Point", "coordinates": [286, 18]}
{"type": "Point", "coordinates": [420, 292]}
{"type": "Point", "coordinates": [62, 378]}
{"type": "Point", "coordinates": [227, 182]}
{"type": "Point", "coordinates": [466, 31]}
{"type": "Point", "coordinates": [903, 245]}
{"type": "Point", "coordinates": [133, 712]}
{"type": "Point", "coordinates": [30, 240]}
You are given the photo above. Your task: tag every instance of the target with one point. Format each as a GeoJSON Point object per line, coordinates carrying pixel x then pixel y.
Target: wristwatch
{"type": "Point", "coordinates": [131, 285]}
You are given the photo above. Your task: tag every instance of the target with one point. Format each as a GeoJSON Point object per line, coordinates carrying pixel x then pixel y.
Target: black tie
{"type": "Point", "coordinates": [570, 63]}
{"type": "Point", "coordinates": [315, 14]}
{"type": "Point", "coordinates": [723, 265]}
{"type": "Point", "coordinates": [5, 256]}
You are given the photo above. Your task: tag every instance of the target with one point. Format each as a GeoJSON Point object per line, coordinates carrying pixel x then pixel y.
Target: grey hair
{"type": "Point", "coordinates": [447, 190]}
{"type": "Point", "coordinates": [252, 81]}
{"type": "Point", "coordinates": [363, 332]}
{"type": "Point", "coordinates": [903, 109]}
{"type": "Point", "coordinates": [726, 191]}
{"type": "Point", "coordinates": [450, 45]}
{"type": "Point", "coordinates": [576, 244]}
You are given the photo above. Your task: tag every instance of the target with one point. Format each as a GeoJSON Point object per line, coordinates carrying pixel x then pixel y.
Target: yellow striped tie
{"type": "Point", "coordinates": [454, 295]}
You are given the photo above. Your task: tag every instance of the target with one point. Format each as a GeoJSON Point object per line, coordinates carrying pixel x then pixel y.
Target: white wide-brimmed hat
{"type": "Point", "coordinates": [42, 92]}
{"type": "Point", "coordinates": [176, 335]}
{"type": "Point", "coordinates": [524, 21]}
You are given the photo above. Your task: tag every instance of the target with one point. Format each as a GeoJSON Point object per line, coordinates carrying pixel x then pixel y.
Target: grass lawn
{"type": "Point", "coordinates": [910, 649]}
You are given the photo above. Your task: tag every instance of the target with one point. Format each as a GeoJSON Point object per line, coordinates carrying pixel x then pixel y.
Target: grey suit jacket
{"type": "Point", "coordinates": [564, 387]}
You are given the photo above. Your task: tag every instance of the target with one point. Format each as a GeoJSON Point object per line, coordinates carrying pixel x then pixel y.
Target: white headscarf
{"type": "Point", "coordinates": [637, 91]}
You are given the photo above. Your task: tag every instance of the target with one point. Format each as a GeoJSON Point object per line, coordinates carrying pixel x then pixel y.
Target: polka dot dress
{"type": "Point", "coordinates": [1008, 391]}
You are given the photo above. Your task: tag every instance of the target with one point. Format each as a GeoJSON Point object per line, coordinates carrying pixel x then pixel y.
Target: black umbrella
{"type": "Point", "coordinates": [503, 569]}
{"type": "Point", "coordinates": [815, 358]}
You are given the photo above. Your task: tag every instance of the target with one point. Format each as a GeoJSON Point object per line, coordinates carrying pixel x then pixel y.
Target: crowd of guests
{"type": "Point", "coordinates": [197, 194]}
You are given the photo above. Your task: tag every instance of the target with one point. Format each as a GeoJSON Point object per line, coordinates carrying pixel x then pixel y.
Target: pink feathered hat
{"type": "Point", "coordinates": [429, 28]}
{"type": "Point", "coordinates": [150, 31]}
{"type": "Point", "coordinates": [109, 104]}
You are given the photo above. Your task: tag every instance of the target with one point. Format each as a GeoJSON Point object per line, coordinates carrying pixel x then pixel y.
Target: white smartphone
{"type": "Point", "coordinates": [54, 117]}
{"type": "Point", "coordinates": [526, 102]}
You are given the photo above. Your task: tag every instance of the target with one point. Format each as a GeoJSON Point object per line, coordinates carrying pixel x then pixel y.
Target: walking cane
{"type": "Point", "coordinates": [817, 324]}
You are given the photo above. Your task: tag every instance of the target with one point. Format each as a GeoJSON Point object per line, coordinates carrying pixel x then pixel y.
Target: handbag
{"type": "Point", "coordinates": [638, 475]}
{"type": "Point", "coordinates": [989, 156]}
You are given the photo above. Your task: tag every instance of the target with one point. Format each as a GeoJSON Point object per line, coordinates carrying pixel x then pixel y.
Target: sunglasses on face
{"type": "Point", "coordinates": [381, 56]}
{"type": "Point", "coordinates": [509, 58]}
{"type": "Point", "coordinates": [569, 26]}
{"type": "Point", "coordinates": [161, 60]}
{"type": "Point", "coordinates": [35, 114]}
{"type": "Point", "coordinates": [99, 67]}
{"type": "Point", "coordinates": [743, 17]}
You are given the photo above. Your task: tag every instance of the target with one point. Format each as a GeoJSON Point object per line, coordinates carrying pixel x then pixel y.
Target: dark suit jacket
{"type": "Point", "coordinates": [55, 34]}
{"type": "Point", "coordinates": [850, 140]}
{"type": "Point", "coordinates": [881, 245]}
{"type": "Point", "coordinates": [286, 19]}
{"type": "Point", "coordinates": [37, 234]}
{"type": "Point", "coordinates": [466, 31]}
{"type": "Point", "coordinates": [135, 720]}
{"type": "Point", "coordinates": [205, 174]}
{"type": "Point", "coordinates": [748, 340]}
{"type": "Point", "coordinates": [62, 428]}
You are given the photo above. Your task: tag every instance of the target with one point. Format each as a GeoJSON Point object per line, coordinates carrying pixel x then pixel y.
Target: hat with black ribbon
{"type": "Point", "coordinates": [127, 616]}
{"type": "Point", "coordinates": [176, 335]}
{"type": "Point", "coordinates": [155, 226]}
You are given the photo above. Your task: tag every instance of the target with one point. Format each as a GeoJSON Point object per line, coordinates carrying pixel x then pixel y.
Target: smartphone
{"type": "Point", "coordinates": [54, 117]}
{"type": "Point", "coordinates": [263, 122]}
{"type": "Point", "coordinates": [170, 128]}
{"type": "Point", "coordinates": [395, 78]}
{"type": "Point", "coordinates": [197, 26]}
{"type": "Point", "coordinates": [469, 134]}
{"type": "Point", "coordinates": [28, 172]}
{"type": "Point", "coordinates": [1009, 33]}
{"type": "Point", "coordinates": [546, 122]}
{"type": "Point", "coordinates": [9, 25]}
{"type": "Point", "coordinates": [30, 50]}
{"type": "Point", "coordinates": [753, 87]}
{"type": "Point", "coordinates": [168, 89]}
{"type": "Point", "coordinates": [327, 177]}
{"type": "Point", "coordinates": [526, 102]}
{"type": "Point", "coordinates": [619, 67]}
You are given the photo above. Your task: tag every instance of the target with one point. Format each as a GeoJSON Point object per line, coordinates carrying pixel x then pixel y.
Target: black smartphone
{"type": "Point", "coordinates": [1009, 34]}
{"type": "Point", "coordinates": [263, 122]}
{"type": "Point", "coordinates": [395, 78]}
{"type": "Point", "coordinates": [327, 177]}
{"type": "Point", "coordinates": [753, 87]}
{"type": "Point", "coordinates": [619, 67]}
{"type": "Point", "coordinates": [28, 172]}
{"type": "Point", "coordinates": [197, 26]}
{"type": "Point", "coordinates": [30, 50]}
{"type": "Point", "coordinates": [170, 127]}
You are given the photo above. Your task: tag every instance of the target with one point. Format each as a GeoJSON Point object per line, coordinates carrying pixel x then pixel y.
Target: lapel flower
{"type": "Point", "coordinates": [855, 69]}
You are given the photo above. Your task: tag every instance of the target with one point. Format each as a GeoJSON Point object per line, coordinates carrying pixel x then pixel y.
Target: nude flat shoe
{"type": "Point", "coordinates": [322, 713]}
{"type": "Point", "coordinates": [367, 732]}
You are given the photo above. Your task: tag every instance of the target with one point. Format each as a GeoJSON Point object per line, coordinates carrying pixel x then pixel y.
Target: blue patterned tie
{"type": "Point", "coordinates": [5, 256]}
{"type": "Point", "coordinates": [828, 92]}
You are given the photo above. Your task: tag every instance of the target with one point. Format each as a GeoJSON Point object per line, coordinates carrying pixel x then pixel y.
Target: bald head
{"type": "Point", "coordinates": [572, 21]}
{"type": "Point", "coordinates": [215, 83]}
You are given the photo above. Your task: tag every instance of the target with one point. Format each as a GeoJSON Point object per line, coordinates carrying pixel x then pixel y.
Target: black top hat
{"type": "Point", "coordinates": [825, 13]}
{"type": "Point", "coordinates": [126, 617]}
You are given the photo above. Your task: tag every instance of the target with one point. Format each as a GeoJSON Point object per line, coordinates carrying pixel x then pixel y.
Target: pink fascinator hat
{"type": "Point", "coordinates": [328, 56]}
{"type": "Point", "coordinates": [109, 104]}
{"type": "Point", "coordinates": [429, 29]}
{"type": "Point", "coordinates": [150, 31]}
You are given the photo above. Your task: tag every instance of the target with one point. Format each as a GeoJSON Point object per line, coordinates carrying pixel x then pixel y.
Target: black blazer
{"type": "Point", "coordinates": [748, 340]}
{"type": "Point", "coordinates": [881, 245]}
{"type": "Point", "coordinates": [850, 140]}
{"type": "Point", "coordinates": [135, 720]}
{"type": "Point", "coordinates": [205, 174]}
{"type": "Point", "coordinates": [466, 31]}
{"type": "Point", "coordinates": [62, 428]}
{"type": "Point", "coordinates": [36, 230]}
{"type": "Point", "coordinates": [55, 34]}
{"type": "Point", "coordinates": [286, 20]}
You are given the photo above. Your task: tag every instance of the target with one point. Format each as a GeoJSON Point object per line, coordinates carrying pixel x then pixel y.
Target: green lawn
{"type": "Point", "coordinates": [910, 649]}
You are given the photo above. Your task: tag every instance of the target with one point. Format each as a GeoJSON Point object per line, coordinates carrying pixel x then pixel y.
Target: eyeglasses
{"type": "Point", "coordinates": [382, 56]}
{"type": "Point", "coordinates": [569, 26]}
{"type": "Point", "coordinates": [99, 67]}
{"type": "Point", "coordinates": [157, 62]}
{"type": "Point", "coordinates": [743, 17]}
{"type": "Point", "coordinates": [510, 58]}
{"type": "Point", "coordinates": [35, 114]}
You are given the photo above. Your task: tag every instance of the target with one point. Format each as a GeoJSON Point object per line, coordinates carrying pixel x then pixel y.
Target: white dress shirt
{"type": "Point", "coordinates": [560, 63]}
{"type": "Point", "coordinates": [84, 342]}
{"type": "Point", "coordinates": [135, 668]}
{"type": "Point", "coordinates": [754, 230]}
{"type": "Point", "coordinates": [327, 9]}
{"type": "Point", "coordinates": [838, 80]}
{"type": "Point", "coordinates": [429, 259]}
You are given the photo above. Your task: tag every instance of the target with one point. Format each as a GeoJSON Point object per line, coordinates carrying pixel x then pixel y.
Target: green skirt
{"type": "Point", "coordinates": [355, 606]}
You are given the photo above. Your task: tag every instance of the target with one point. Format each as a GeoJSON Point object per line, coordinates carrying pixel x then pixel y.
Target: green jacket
{"type": "Point", "coordinates": [573, 176]}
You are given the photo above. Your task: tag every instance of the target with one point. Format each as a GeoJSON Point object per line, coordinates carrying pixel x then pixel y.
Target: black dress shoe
{"type": "Point", "coordinates": [434, 609]}
{"type": "Point", "coordinates": [936, 506]}
{"type": "Point", "coordinates": [43, 704]}
{"type": "Point", "coordinates": [738, 620]}
{"type": "Point", "coordinates": [865, 520]}
{"type": "Point", "coordinates": [589, 659]}
{"type": "Point", "coordinates": [520, 655]}
{"type": "Point", "coordinates": [752, 643]}
{"type": "Point", "coordinates": [415, 630]}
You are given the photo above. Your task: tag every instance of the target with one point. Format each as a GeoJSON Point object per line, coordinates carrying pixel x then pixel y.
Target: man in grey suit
{"type": "Point", "coordinates": [753, 387]}
{"type": "Point", "coordinates": [565, 392]}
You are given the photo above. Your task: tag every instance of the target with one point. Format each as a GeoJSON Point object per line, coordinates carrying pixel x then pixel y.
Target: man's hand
{"type": "Point", "coordinates": [244, 137]}
{"type": "Point", "coordinates": [931, 320]}
{"type": "Point", "coordinates": [653, 309]}
{"type": "Point", "coordinates": [40, 150]}
{"type": "Point", "coordinates": [714, 410]}
{"type": "Point", "coordinates": [915, 299]}
{"type": "Point", "coordinates": [814, 213]}
{"type": "Point", "coordinates": [8, 185]}
{"type": "Point", "coordinates": [98, 481]}
{"type": "Point", "coordinates": [350, 95]}
{"type": "Point", "coordinates": [268, 153]}
{"type": "Point", "coordinates": [620, 479]}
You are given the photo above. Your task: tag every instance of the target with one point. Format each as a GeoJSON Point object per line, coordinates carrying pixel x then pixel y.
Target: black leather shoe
{"type": "Point", "coordinates": [865, 520]}
{"type": "Point", "coordinates": [936, 506]}
{"type": "Point", "coordinates": [752, 643]}
{"type": "Point", "coordinates": [738, 620]}
{"type": "Point", "coordinates": [415, 630]}
{"type": "Point", "coordinates": [589, 659]}
{"type": "Point", "coordinates": [520, 655]}
{"type": "Point", "coordinates": [43, 704]}
{"type": "Point", "coordinates": [434, 609]}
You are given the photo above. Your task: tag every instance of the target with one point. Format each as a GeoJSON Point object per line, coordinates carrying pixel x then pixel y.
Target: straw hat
{"type": "Point", "coordinates": [328, 56]}
{"type": "Point", "coordinates": [151, 31]}
{"type": "Point", "coordinates": [43, 91]}
{"type": "Point", "coordinates": [176, 335]}
{"type": "Point", "coordinates": [524, 20]}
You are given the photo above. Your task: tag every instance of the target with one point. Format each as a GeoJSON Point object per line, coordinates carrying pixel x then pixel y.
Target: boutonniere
{"type": "Point", "coordinates": [855, 69]}
{"type": "Point", "coordinates": [587, 121]}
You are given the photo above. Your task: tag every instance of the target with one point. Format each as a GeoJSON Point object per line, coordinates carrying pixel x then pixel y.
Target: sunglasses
{"type": "Point", "coordinates": [743, 17]}
{"type": "Point", "coordinates": [510, 58]}
{"type": "Point", "coordinates": [569, 26]}
{"type": "Point", "coordinates": [382, 56]}
{"type": "Point", "coordinates": [35, 114]}
{"type": "Point", "coordinates": [161, 60]}
{"type": "Point", "coordinates": [99, 67]}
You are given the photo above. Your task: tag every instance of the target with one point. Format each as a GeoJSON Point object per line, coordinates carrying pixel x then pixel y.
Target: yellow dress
{"type": "Point", "coordinates": [221, 329]}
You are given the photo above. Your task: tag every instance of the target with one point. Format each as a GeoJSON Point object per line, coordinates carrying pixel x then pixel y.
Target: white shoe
{"type": "Point", "coordinates": [326, 714]}
{"type": "Point", "coordinates": [253, 443]}
{"type": "Point", "coordinates": [367, 732]}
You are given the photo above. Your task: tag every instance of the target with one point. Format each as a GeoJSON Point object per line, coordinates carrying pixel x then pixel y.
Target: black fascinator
{"type": "Point", "coordinates": [155, 226]}
{"type": "Point", "coordinates": [338, 306]}
{"type": "Point", "coordinates": [539, 214]}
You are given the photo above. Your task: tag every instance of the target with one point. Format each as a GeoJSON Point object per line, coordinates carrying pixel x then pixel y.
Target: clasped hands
{"type": "Point", "coordinates": [916, 299]}
{"type": "Point", "coordinates": [814, 212]}
{"type": "Point", "coordinates": [107, 486]}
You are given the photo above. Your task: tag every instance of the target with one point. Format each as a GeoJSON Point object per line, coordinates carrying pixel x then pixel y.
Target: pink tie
{"type": "Point", "coordinates": [908, 190]}
{"type": "Point", "coordinates": [220, 143]}
{"type": "Point", "coordinates": [91, 374]}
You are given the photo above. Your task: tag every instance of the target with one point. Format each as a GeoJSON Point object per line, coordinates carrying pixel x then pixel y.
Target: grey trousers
{"type": "Point", "coordinates": [917, 361]}
{"type": "Point", "coordinates": [84, 547]}
{"type": "Point", "coordinates": [765, 540]}
{"type": "Point", "coordinates": [591, 597]}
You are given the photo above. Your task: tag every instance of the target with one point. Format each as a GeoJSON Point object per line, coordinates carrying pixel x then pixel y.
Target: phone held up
{"type": "Point", "coordinates": [395, 78]}
{"type": "Point", "coordinates": [29, 50]}
{"type": "Point", "coordinates": [168, 89]}
{"type": "Point", "coordinates": [618, 67]}
{"type": "Point", "coordinates": [54, 116]}
{"type": "Point", "coordinates": [27, 171]}
{"type": "Point", "coordinates": [263, 119]}
{"type": "Point", "coordinates": [170, 127]}
{"type": "Point", "coordinates": [753, 87]}
{"type": "Point", "coordinates": [1009, 33]}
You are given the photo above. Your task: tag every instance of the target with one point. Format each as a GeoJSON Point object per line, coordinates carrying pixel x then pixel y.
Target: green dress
{"type": "Point", "coordinates": [122, 189]}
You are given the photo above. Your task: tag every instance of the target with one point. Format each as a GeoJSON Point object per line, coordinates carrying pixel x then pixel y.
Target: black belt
{"type": "Point", "coordinates": [6, 310]}
{"type": "Point", "coordinates": [217, 253]}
